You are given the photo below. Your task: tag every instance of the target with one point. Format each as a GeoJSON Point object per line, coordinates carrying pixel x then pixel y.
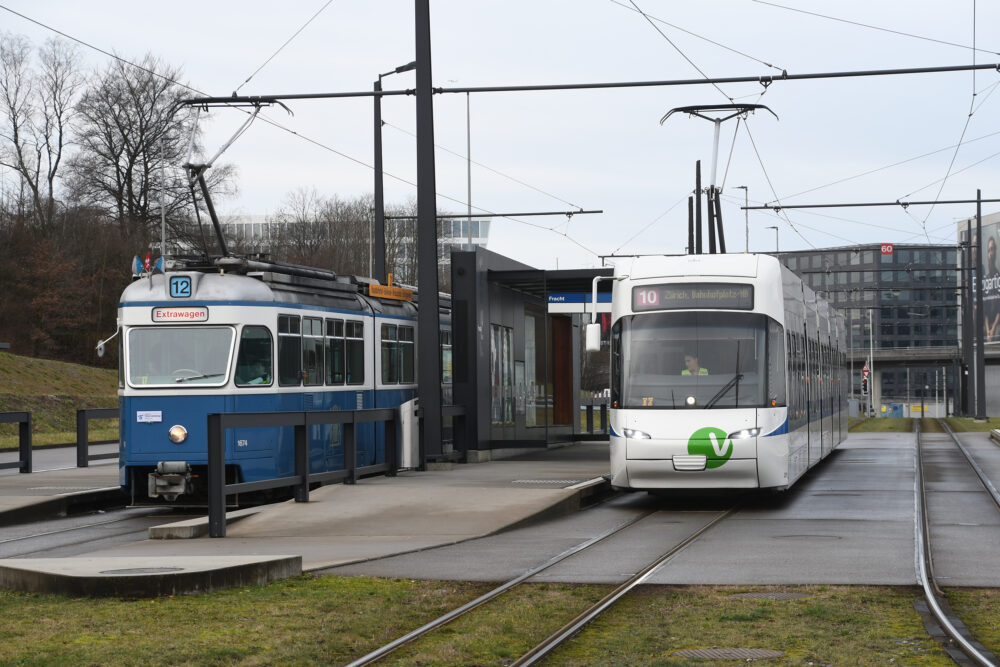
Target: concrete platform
{"type": "Point", "coordinates": [143, 577]}
{"type": "Point", "coordinates": [341, 524]}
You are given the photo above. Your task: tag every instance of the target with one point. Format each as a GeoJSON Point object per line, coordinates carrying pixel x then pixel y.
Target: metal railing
{"type": "Point", "coordinates": [589, 404]}
{"type": "Point", "coordinates": [218, 489]}
{"type": "Point", "coordinates": [83, 417]}
{"type": "Point", "coordinates": [23, 420]}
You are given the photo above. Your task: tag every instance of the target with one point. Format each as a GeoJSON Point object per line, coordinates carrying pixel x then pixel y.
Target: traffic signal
{"type": "Point", "coordinates": [864, 385]}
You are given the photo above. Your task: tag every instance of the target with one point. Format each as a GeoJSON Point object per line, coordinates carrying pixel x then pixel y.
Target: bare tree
{"type": "Point", "coordinates": [130, 136]}
{"type": "Point", "coordinates": [38, 106]}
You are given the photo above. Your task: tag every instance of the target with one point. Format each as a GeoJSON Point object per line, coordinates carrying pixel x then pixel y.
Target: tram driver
{"type": "Point", "coordinates": [692, 366]}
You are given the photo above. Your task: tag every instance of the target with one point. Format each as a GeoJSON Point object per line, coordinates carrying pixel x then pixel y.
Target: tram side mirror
{"type": "Point", "coordinates": [594, 337]}
{"type": "Point", "coordinates": [100, 349]}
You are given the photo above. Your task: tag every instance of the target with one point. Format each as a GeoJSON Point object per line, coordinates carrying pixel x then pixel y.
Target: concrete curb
{"type": "Point", "coordinates": [129, 577]}
{"type": "Point", "coordinates": [50, 507]}
{"type": "Point", "coordinates": [192, 528]}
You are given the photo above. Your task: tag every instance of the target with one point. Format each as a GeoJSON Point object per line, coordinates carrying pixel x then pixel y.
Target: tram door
{"type": "Point", "coordinates": [562, 366]}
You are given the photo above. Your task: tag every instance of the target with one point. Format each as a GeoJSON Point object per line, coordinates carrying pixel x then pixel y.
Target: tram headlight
{"type": "Point", "coordinates": [744, 433]}
{"type": "Point", "coordinates": [690, 400]}
{"type": "Point", "coordinates": [177, 434]}
{"type": "Point", "coordinates": [636, 435]}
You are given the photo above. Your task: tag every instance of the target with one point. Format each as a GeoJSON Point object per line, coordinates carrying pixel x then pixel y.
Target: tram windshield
{"type": "Point", "coordinates": [696, 360]}
{"type": "Point", "coordinates": [178, 356]}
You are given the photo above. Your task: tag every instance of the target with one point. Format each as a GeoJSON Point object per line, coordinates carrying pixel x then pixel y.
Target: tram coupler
{"type": "Point", "coordinates": [171, 479]}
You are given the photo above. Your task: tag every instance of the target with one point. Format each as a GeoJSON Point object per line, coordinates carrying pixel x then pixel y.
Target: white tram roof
{"type": "Point", "coordinates": [735, 265]}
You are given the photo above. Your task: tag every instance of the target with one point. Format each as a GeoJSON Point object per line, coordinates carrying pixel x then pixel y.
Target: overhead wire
{"type": "Point", "coordinates": [965, 128]}
{"type": "Point", "coordinates": [486, 167]}
{"type": "Point", "coordinates": [678, 49]}
{"type": "Point", "coordinates": [650, 224]}
{"type": "Point", "coordinates": [278, 125]}
{"type": "Point", "coordinates": [281, 48]}
{"type": "Point", "coordinates": [701, 37]}
{"type": "Point", "coordinates": [771, 185]}
{"type": "Point", "coordinates": [890, 166]}
{"type": "Point", "coordinates": [874, 27]}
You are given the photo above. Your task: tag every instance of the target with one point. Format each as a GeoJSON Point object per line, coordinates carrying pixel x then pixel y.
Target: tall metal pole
{"type": "Point", "coordinates": [428, 322]}
{"type": "Point", "coordinates": [376, 249]}
{"type": "Point", "coordinates": [965, 389]}
{"type": "Point", "coordinates": [871, 363]}
{"type": "Point", "coordinates": [697, 207]}
{"type": "Point", "coordinates": [980, 315]}
{"type": "Point", "coordinates": [468, 165]}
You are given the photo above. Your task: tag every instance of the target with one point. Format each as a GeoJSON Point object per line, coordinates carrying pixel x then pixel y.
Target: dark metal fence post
{"type": "Point", "coordinates": [391, 456]}
{"type": "Point", "coordinates": [604, 418]}
{"type": "Point", "coordinates": [302, 462]}
{"type": "Point", "coordinates": [24, 443]}
{"type": "Point", "coordinates": [216, 477]}
{"type": "Point", "coordinates": [82, 440]}
{"type": "Point", "coordinates": [350, 452]}
{"type": "Point", "coordinates": [590, 417]}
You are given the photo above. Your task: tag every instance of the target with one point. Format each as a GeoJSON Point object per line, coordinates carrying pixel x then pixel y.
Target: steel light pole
{"type": "Point", "coordinates": [376, 245]}
{"type": "Point", "coordinates": [746, 212]}
{"type": "Point", "coordinates": [775, 238]}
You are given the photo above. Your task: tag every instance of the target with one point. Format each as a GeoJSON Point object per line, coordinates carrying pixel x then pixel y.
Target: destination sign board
{"type": "Point", "coordinates": [193, 314]}
{"type": "Point", "coordinates": [389, 292]}
{"type": "Point", "coordinates": [677, 296]}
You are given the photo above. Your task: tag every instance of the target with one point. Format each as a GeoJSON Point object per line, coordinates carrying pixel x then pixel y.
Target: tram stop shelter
{"type": "Point", "coordinates": [518, 364]}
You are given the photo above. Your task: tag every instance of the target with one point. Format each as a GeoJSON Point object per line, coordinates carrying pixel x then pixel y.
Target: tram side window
{"type": "Point", "coordinates": [397, 354]}
{"type": "Point", "coordinates": [253, 362]}
{"type": "Point", "coordinates": [335, 351]}
{"type": "Point", "coordinates": [354, 333]}
{"type": "Point", "coordinates": [312, 351]}
{"type": "Point", "coordinates": [406, 357]}
{"type": "Point", "coordinates": [289, 350]}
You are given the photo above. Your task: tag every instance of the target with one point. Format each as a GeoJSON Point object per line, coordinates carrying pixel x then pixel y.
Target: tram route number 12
{"type": "Point", "coordinates": [180, 287]}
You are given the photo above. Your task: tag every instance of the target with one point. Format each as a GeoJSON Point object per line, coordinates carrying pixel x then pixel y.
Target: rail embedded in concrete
{"type": "Point", "coordinates": [218, 489]}
{"type": "Point", "coordinates": [83, 417]}
{"type": "Point", "coordinates": [23, 420]}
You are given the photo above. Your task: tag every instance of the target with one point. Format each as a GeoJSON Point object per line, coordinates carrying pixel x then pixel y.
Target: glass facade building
{"type": "Point", "coordinates": [907, 298]}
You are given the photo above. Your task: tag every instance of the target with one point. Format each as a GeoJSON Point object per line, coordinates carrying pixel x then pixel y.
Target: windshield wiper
{"type": "Point", "coordinates": [198, 377]}
{"type": "Point", "coordinates": [722, 392]}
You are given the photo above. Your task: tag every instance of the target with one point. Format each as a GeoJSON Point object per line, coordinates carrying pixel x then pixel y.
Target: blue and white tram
{"type": "Point", "coordinates": [727, 372]}
{"type": "Point", "coordinates": [195, 342]}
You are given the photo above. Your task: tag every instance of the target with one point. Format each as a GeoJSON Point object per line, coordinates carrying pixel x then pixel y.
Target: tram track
{"type": "Point", "coordinates": [572, 627]}
{"type": "Point", "coordinates": [937, 604]}
{"type": "Point", "coordinates": [53, 536]}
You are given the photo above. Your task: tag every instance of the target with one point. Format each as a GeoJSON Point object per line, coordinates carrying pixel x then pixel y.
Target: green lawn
{"type": "Point", "coordinates": [333, 620]}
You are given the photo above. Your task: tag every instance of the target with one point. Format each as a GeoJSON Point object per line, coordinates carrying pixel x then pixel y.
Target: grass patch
{"type": "Point", "coordinates": [979, 609]}
{"type": "Point", "coordinates": [333, 620]}
{"type": "Point", "coordinates": [306, 620]}
{"type": "Point", "coordinates": [837, 625]}
{"type": "Point", "coordinates": [928, 425]}
{"type": "Point", "coordinates": [884, 425]}
{"type": "Point", "coordinates": [52, 391]}
{"type": "Point", "coordinates": [968, 424]}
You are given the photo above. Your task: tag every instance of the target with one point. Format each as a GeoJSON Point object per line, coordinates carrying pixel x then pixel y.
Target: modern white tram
{"type": "Point", "coordinates": [727, 372]}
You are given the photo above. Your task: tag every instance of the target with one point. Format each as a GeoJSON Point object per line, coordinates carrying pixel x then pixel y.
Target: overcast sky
{"type": "Point", "coordinates": [600, 149]}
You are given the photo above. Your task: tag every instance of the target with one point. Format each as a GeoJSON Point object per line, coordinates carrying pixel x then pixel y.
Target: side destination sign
{"type": "Point", "coordinates": [675, 296]}
{"type": "Point", "coordinates": [191, 314]}
{"type": "Point", "coordinates": [388, 292]}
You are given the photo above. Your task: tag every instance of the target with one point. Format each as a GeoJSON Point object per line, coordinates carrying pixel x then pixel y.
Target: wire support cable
{"type": "Point", "coordinates": [771, 186]}
{"type": "Point", "coordinates": [678, 49]}
{"type": "Point", "coordinates": [701, 37]}
{"type": "Point", "coordinates": [875, 27]}
{"type": "Point", "coordinates": [650, 224]}
{"type": "Point", "coordinates": [282, 47]}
